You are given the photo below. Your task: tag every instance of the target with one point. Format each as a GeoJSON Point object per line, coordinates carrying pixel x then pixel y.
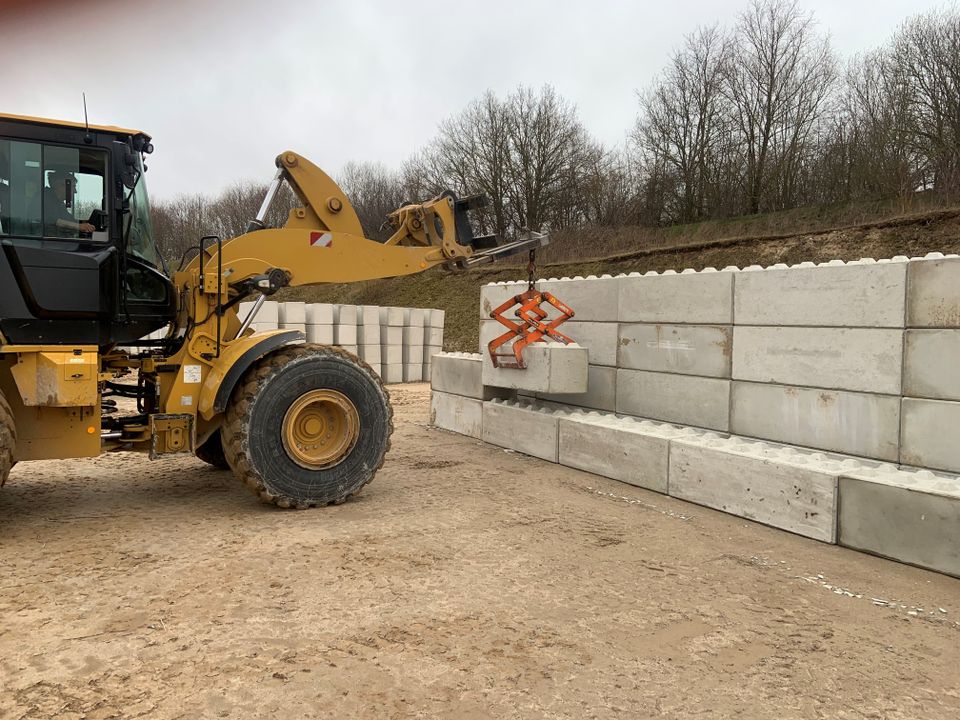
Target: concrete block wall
{"type": "Point", "coordinates": [396, 342]}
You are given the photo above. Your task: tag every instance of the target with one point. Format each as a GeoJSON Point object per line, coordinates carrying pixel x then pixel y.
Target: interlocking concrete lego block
{"type": "Point", "coordinates": [354, 349]}
{"type": "Point", "coordinates": [391, 335]}
{"type": "Point", "coordinates": [346, 314]}
{"type": "Point", "coordinates": [931, 364]}
{"type": "Point", "coordinates": [345, 334]}
{"type": "Point", "coordinates": [430, 350]}
{"type": "Point", "coordinates": [859, 359]}
{"type": "Point", "coordinates": [550, 368]}
{"type": "Point", "coordinates": [392, 316]}
{"type": "Point", "coordinates": [460, 374]}
{"type": "Point", "coordinates": [591, 299]}
{"type": "Point", "coordinates": [493, 295]}
{"type": "Point", "coordinates": [928, 437]}
{"type": "Point", "coordinates": [599, 338]}
{"type": "Point", "coordinates": [703, 298]}
{"type": "Point", "coordinates": [910, 516]}
{"type": "Point", "coordinates": [601, 391]}
{"type": "Point", "coordinates": [319, 314]}
{"type": "Point", "coordinates": [858, 294]}
{"type": "Point", "coordinates": [457, 413]}
{"type": "Point", "coordinates": [376, 367]}
{"type": "Point", "coordinates": [392, 372]}
{"type": "Point", "coordinates": [436, 319]}
{"type": "Point", "coordinates": [371, 353]}
{"type": "Point", "coordinates": [269, 314]}
{"type": "Point", "coordinates": [368, 314]}
{"type": "Point", "coordinates": [525, 427]}
{"type": "Point", "coordinates": [782, 487]}
{"type": "Point", "coordinates": [434, 335]}
{"type": "Point", "coordinates": [847, 422]}
{"type": "Point", "coordinates": [412, 354]}
{"type": "Point", "coordinates": [416, 317]}
{"type": "Point", "coordinates": [369, 333]}
{"type": "Point", "coordinates": [933, 293]}
{"type": "Point", "coordinates": [414, 335]}
{"type": "Point", "coordinates": [412, 372]}
{"type": "Point", "coordinates": [391, 354]}
{"type": "Point", "coordinates": [625, 449]}
{"type": "Point", "coordinates": [684, 399]}
{"type": "Point", "coordinates": [703, 350]}
{"type": "Point", "coordinates": [322, 334]}
{"type": "Point", "coordinates": [292, 314]}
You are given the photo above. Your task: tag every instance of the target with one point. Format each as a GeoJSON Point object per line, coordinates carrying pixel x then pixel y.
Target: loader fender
{"type": "Point", "coordinates": [234, 362]}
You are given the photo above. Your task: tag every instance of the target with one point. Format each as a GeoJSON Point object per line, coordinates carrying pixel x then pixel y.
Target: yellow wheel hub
{"type": "Point", "coordinates": [320, 428]}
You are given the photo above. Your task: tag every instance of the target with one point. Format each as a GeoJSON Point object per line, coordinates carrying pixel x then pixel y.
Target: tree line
{"type": "Point", "coordinates": [758, 116]}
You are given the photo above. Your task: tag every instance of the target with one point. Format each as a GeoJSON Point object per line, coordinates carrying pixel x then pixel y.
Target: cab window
{"type": "Point", "coordinates": [51, 191]}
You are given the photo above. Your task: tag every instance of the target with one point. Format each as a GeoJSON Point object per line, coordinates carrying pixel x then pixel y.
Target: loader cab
{"type": "Point", "coordinates": [78, 260]}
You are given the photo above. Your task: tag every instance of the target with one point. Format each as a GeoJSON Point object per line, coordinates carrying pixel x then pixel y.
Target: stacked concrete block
{"type": "Point", "coordinates": [524, 426]}
{"type": "Point", "coordinates": [432, 338]}
{"type": "Point", "coordinates": [457, 393]}
{"type": "Point", "coordinates": [550, 368]}
{"type": "Point", "coordinates": [391, 343]}
{"type": "Point", "coordinates": [906, 515]}
{"type": "Point", "coordinates": [267, 318]}
{"type": "Point", "coordinates": [319, 318]}
{"type": "Point", "coordinates": [368, 337]}
{"type": "Point", "coordinates": [293, 316]}
{"type": "Point", "coordinates": [345, 321]}
{"type": "Point", "coordinates": [931, 409]}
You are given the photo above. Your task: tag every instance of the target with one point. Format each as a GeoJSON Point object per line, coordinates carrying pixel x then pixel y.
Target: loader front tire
{"type": "Point", "coordinates": [211, 451]}
{"type": "Point", "coordinates": [307, 425]}
{"type": "Point", "coordinates": [8, 440]}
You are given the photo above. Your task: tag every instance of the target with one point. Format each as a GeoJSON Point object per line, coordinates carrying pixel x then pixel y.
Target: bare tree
{"type": "Point", "coordinates": [374, 191]}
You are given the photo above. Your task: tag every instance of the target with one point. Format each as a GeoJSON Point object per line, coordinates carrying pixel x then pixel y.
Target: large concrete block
{"type": "Point", "coordinates": [391, 335]}
{"type": "Point", "coordinates": [931, 364]}
{"type": "Point", "coordinates": [371, 353]}
{"type": "Point", "coordinates": [436, 318]}
{"type": "Point", "coordinates": [862, 359]}
{"type": "Point", "coordinates": [345, 334]}
{"type": "Point", "coordinates": [412, 372]}
{"type": "Point", "coordinates": [460, 374]}
{"type": "Point", "coordinates": [933, 293]}
{"type": "Point", "coordinates": [369, 334]}
{"type": "Point", "coordinates": [492, 295]}
{"type": "Point", "coordinates": [457, 413]}
{"type": "Point", "coordinates": [414, 335]}
{"type": "Point", "coordinates": [846, 422]}
{"type": "Point", "coordinates": [391, 372]}
{"type": "Point", "coordinates": [601, 391]}
{"type": "Point", "coordinates": [852, 295]}
{"type": "Point", "coordinates": [632, 451]}
{"type": "Point", "coordinates": [392, 316]}
{"type": "Point", "coordinates": [703, 350]}
{"type": "Point", "coordinates": [391, 354]}
{"type": "Point", "coordinates": [910, 516]}
{"type": "Point", "coordinates": [599, 338]}
{"type": "Point", "coordinates": [550, 368]}
{"type": "Point", "coordinates": [346, 314]}
{"type": "Point", "coordinates": [350, 349]}
{"type": "Point", "coordinates": [684, 399]}
{"type": "Point", "coordinates": [416, 317]}
{"type": "Point", "coordinates": [703, 298]}
{"type": "Point", "coordinates": [928, 437]}
{"type": "Point", "coordinates": [319, 314]}
{"type": "Point", "coordinates": [292, 314]}
{"type": "Point", "coordinates": [376, 367]}
{"type": "Point", "coordinates": [322, 334]}
{"type": "Point", "coordinates": [434, 335]}
{"type": "Point", "coordinates": [269, 313]}
{"type": "Point", "coordinates": [782, 487]}
{"type": "Point", "coordinates": [412, 354]}
{"type": "Point", "coordinates": [524, 427]}
{"type": "Point", "coordinates": [592, 298]}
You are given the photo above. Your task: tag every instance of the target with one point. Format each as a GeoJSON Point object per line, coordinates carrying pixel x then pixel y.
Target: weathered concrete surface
{"type": "Point", "coordinates": [322, 334]}
{"type": "Point", "coordinates": [493, 295]}
{"type": "Point", "coordinates": [776, 486]}
{"type": "Point", "coordinates": [392, 316]}
{"type": "Point", "coordinates": [457, 413]}
{"type": "Point", "coordinates": [930, 436]}
{"type": "Point", "coordinates": [684, 399]}
{"type": "Point", "coordinates": [600, 338]}
{"type": "Point", "coordinates": [436, 318]}
{"type": "Point", "coordinates": [931, 364]}
{"type": "Point", "coordinates": [391, 335]}
{"type": "Point", "coordinates": [933, 293]}
{"type": "Point", "coordinates": [591, 298]}
{"type": "Point", "coordinates": [345, 334]}
{"type": "Point", "coordinates": [460, 374]}
{"type": "Point", "coordinates": [320, 314]}
{"type": "Point", "coordinates": [632, 451]}
{"type": "Point", "coordinates": [550, 368]}
{"type": "Point", "coordinates": [859, 359]}
{"type": "Point", "coordinates": [601, 391]}
{"type": "Point", "coordinates": [291, 314]}
{"type": "Point", "coordinates": [434, 335]}
{"type": "Point", "coordinates": [392, 372]}
{"type": "Point", "coordinates": [369, 333]}
{"type": "Point", "coordinates": [391, 354]}
{"type": "Point", "coordinates": [910, 516]}
{"type": "Point", "coordinates": [846, 422]}
{"type": "Point", "coordinates": [852, 295]}
{"type": "Point", "coordinates": [686, 349]}
{"type": "Point", "coordinates": [371, 353]}
{"type": "Point", "coordinates": [269, 313]}
{"type": "Point", "coordinates": [524, 427]}
{"type": "Point", "coordinates": [412, 353]}
{"type": "Point", "coordinates": [413, 372]}
{"type": "Point", "coordinates": [346, 314]}
{"type": "Point", "coordinates": [417, 317]}
{"type": "Point", "coordinates": [704, 298]}
{"type": "Point", "coordinates": [413, 335]}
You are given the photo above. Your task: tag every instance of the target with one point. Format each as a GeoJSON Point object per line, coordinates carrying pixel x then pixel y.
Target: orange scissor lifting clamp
{"type": "Point", "coordinates": [531, 327]}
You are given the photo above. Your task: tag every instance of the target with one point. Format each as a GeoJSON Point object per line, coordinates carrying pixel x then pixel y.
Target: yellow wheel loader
{"type": "Point", "coordinates": [82, 283]}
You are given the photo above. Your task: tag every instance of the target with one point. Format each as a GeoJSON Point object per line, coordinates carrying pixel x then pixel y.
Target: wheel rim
{"type": "Point", "coordinates": [320, 428]}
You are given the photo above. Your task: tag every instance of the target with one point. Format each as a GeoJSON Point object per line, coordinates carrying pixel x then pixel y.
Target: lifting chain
{"type": "Point", "coordinates": [532, 270]}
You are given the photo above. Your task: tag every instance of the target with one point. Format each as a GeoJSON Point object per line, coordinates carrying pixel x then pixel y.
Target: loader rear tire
{"type": "Point", "coordinates": [307, 425]}
{"type": "Point", "coordinates": [8, 440]}
{"type": "Point", "coordinates": [211, 451]}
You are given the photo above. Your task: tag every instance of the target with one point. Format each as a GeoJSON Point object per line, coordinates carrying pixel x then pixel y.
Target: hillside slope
{"type": "Point", "coordinates": [459, 294]}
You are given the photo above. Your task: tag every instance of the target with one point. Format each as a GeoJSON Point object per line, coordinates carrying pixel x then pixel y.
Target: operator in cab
{"type": "Point", "coordinates": [57, 219]}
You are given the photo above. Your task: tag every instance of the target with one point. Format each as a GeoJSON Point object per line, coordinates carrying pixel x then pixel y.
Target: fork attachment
{"type": "Point", "coordinates": [531, 327]}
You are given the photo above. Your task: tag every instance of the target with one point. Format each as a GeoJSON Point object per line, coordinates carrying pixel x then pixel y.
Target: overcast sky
{"type": "Point", "coordinates": [226, 85]}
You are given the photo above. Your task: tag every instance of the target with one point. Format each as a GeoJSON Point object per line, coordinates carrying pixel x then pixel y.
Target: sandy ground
{"type": "Point", "coordinates": [465, 582]}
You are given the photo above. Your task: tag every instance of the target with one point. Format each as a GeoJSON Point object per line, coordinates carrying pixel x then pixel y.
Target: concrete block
{"type": "Point", "coordinates": [292, 313]}
{"type": "Point", "coordinates": [391, 316]}
{"type": "Point", "coordinates": [392, 373]}
{"type": "Point", "coordinates": [928, 437]}
{"type": "Point", "coordinates": [524, 427]}
{"type": "Point", "coordinates": [269, 313]}
{"type": "Point", "coordinates": [684, 399]}
{"type": "Point", "coordinates": [430, 350]}
{"type": "Point", "coordinates": [550, 368]}
{"type": "Point", "coordinates": [412, 354]}
{"type": "Point", "coordinates": [319, 314]}
{"type": "Point", "coordinates": [412, 372]}
{"type": "Point", "coordinates": [703, 350]}
{"type": "Point", "coordinates": [436, 319]}
{"type": "Point", "coordinates": [369, 334]}
{"type": "Point", "coordinates": [377, 368]}
{"type": "Point", "coordinates": [625, 449]}
{"type": "Point", "coordinates": [415, 335]}
{"type": "Point", "coordinates": [601, 391]}
{"type": "Point", "coordinates": [703, 298]}
{"type": "Point", "coordinates": [592, 298]}
{"type": "Point", "coordinates": [416, 317]}
{"type": "Point", "coordinates": [910, 516]}
{"type": "Point", "coordinates": [599, 338]}
{"type": "Point", "coordinates": [853, 295]}
{"type": "Point", "coordinates": [933, 293]}
{"type": "Point", "coordinates": [295, 326]}
{"type": "Point", "coordinates": [345, 334]}
{"type": "Point", "coordinates": [457, 413]}
{"type": "Point", "coordinates": [863, 359]}
{"type": "Point", "coordinates": [931, 364]}
{"type": "Point", "coordinates": [346, 314]}
{"type": "Point", "coordinates": [493, 295]}
{"type": "Point", "coordinates": [846, 422]}
{"type": "Point", "coordinates": [782, 487]}
{"type": "Point", "coordinates": [460, 374]}
{"type": "Point", "coordinates": [391, 335]}
{"type": "Point", "coordinates": [322, 334]}
{"type": "Point", "coordinates": [434, 336]}
{"type": "Point", "coordinates": [368, 315]}
{"type": "Point", "coordinates": [391, 354]}
{"type": "Point", "coordinates": [371, 353]}
{"type": "Point", "coordinates": [354, 349]}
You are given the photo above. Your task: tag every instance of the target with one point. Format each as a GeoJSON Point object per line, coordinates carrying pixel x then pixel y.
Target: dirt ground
{"type": "Point", "coordinates": [464, 582]}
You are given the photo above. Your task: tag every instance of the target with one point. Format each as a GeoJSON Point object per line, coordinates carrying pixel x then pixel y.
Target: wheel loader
{"type": "Point", "coordinates": [82, 283]}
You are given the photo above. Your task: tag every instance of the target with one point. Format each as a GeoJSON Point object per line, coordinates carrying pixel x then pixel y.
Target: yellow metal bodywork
{"type": "Point", "coordinates": [69, 123]}
{"type": "Point", "coordinates": [55, 376]}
